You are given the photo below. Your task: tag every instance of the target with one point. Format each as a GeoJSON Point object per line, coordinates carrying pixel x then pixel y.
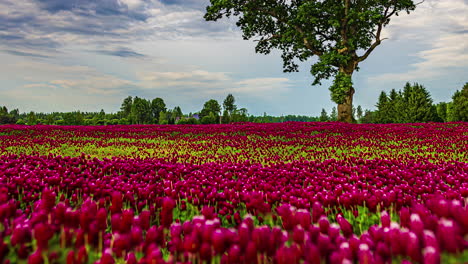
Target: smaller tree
{"type": "Point", "coordinates": [163, 118]}
{"type": "Point", "coordinates": [460, 104]}
{"type": "Point", "coordinates": [126, 107]}
{"type": "Point", "coordinates": [323, 116]}
{"type": "Point", "coordinates": [226, 118]}
{"type": "Point", "coordinates": [157, 106]}
{"type": "Point", "coordinates": [229, 105]}
{"type": "Point", "coordinates": [32, 119]}
{"type": "Point", "coordinates": [442, 111]}
{"type": "Point", "coordinates": [211, 106]}
{"type": "Point", "coordinates": [418, 103]}
{"type": "Point", "coordinates": [382, 109]}
{"type": "Point", "coordinates": [333, 114]}
{"type": "Point", "coordinates": [359, 112]}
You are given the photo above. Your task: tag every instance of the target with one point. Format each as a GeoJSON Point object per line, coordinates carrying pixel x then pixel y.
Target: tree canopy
{"type": "Point", "coordinates": [340, 33]}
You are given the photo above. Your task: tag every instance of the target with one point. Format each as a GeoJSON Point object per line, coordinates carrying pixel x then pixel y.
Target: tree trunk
{"type": "Point", "coordinates": [345, 109]}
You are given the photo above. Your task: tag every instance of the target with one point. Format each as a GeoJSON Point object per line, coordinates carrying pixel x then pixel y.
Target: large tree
{"type": "Point", "coordinates": [341, 33]}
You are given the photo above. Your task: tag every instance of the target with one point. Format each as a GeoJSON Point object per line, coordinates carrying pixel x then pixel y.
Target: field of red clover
{"type": "Point", "coordinates": [243, 193]}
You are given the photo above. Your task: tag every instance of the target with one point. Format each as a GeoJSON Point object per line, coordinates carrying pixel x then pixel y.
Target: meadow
{"type": "Point", "coordinates": [240, 193]}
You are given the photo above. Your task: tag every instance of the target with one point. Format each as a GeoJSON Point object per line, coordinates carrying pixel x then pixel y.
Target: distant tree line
{"type": "Point", "coordinates": [412, 104]}
{"type": "Point", "coordinates": [134, 110]}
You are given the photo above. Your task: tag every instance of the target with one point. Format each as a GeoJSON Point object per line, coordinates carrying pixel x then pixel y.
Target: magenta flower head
{"type": "Point", "coordinates": [287, 217]}
{"type": "Point", "coordinates": [145, 218]}
{"type": "Point", "coordinates": [116, 220]}
{"type": "Point", "coordinates": [412, 247]}
{"type": "Point", "coordinates": [136, 235]}
{"type": "Point", "coordinates": [288, 255]}
{"type": "Point", "coordinates": [260, 236]}
{"type": "Point", "coordinates": [448, 235]}
{"type": "Point", "coordinates": [101, 219]}
{"type": "Point", "coordinates": [244, 235]}
{"type": "Point", "coordinates": [43, 233]}
{"type": "Point", "coordinates": [431, 256]}
{"type": "Point", "coordinates": [218, 240]}
{"type": "Point", "coordinates": [251, 253]}
{"type": "Point", "coordinates": [324, 245]}
{"type": "Point", "coordinates": [430, 239]}
{"type": "Point", "coordinates": [208, 212]}
{"type": "Point", "coordinates": [385, 219]}
{"type": "Point", "coordinates": [166, 212]}
{"type": "Point", "coordinates": [70, 257]}
{"type": "Point", "coordinates": [107, 258]}
{"type": "Point", "coordinates": [205, 252]}
{"type": "Point", "coordinates": [82, 256]}
{"type": "Point", "coordinates": [117, 203]}
{"type": "Point", "coordinates": [298, 235]}
{"type": "Point", "coordinates": [441, 207]}
{"type": "Point", "coordinates": [127, 220]}
{"type": "Point", "coordinates": [345, 226]}
{"type": "Point", "coordinates": [365, 256]}
{"type": "Point", "coordinates": [176, 230]}
{"type": "Point", "coordinates": [311, 253]}
{"type": "Point", "coordinates": [317, 212]}
{"type": "Point", "coordinates": [131, 258]}
{"type": "Point", "coordinates": [416, 225]}
{"type": "Point", "coordinates": [324, 224]}
{"type": "Point", "coordinates": [404, 217]}
{"type": "Point", "coordinates": [234, 254]}
{"type": "Point", "coordinates": [36, 258]}
{"type": "Point", "coordinates": [48, 200]}
{"type": "Point", "coordinates": [303, 218]}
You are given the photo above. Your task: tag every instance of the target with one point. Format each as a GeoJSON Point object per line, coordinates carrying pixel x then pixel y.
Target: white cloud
{"type": "Point", "coordinates": [263, 85]}
{"type": "Point", "coordinates": [439, 26]}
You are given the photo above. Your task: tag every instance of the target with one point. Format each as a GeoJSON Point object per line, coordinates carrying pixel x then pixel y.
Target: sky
{"type": "Point", "coordinates": [87, 55]}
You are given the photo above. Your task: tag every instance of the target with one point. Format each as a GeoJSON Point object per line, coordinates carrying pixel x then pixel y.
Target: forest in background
{"type": "Point", "coordinates": [410, 105]}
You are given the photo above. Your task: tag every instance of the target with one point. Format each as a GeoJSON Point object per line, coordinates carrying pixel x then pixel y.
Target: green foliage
{"type": "Point", "coordinates": [359, 112]}
{"type": "Point", "coordinates": [226, 118]}
{"type": "Point", "coordinates": [141, 111]}
{"type": "Point", "coordinates": [210, 107]}
{"type": "Point", "coordinates": [324, 116]}
{"type": "Point", "coordinates": [441, 109]}
{"type": "Point", "coordinates": [333, 114]}
{"type": "Point", "coordinates": [229, 104]}
{"type": "Point", "coordinates": [211, 118]}
{"type": "Point", "coordinates": [188, 121]}
{"type": "Point", "coordinates": [163, 118]}
{"type": "Point", "coordinates": [157, 106]}
{"type": "Point", "coordinates": [460, 105]}
{"type": "Point", "coordinates": [126, 107]}
{"type": "Point", "coordinates": [341, 87]}
{"type": "Point", "coordinates": [32, 119]}
{"type": "Point", "coordinates": [413, 104]}
{"type": "Point", "coordinates": [8, 118]}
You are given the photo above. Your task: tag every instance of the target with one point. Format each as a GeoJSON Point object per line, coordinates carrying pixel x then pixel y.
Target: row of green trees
{"type": "Point", "coordinates": [414, 104]}
{"type": "Point", "coordinates": [410, 105]}
{"type": "Point", "coordinates": [134, 110]}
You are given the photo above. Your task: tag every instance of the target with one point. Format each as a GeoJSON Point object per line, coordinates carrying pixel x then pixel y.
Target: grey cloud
{"type": "Point", "coordinates": [121, 52]}
{"type": "Point", "coordinates": [25, 54]}
{"type": "Point", "coordinates": [100, 7]}
{"type": "Point", "coordinates": [194, 4]}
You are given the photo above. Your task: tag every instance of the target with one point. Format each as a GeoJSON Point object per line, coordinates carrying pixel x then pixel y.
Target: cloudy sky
{"type": "Point", "coordinates": [65, 55]}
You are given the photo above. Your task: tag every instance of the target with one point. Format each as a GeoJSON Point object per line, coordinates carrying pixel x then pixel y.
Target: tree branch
{"type": "Point", "coordinates": [377, 42]}
{"type": "Point", "coordinates": [298, 29]}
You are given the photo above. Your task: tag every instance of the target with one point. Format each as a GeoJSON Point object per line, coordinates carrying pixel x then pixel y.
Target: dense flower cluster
{"type": "Point", "coordinates": [259, 143]}
{"type": "Point", "coordinates": [397, 206]}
